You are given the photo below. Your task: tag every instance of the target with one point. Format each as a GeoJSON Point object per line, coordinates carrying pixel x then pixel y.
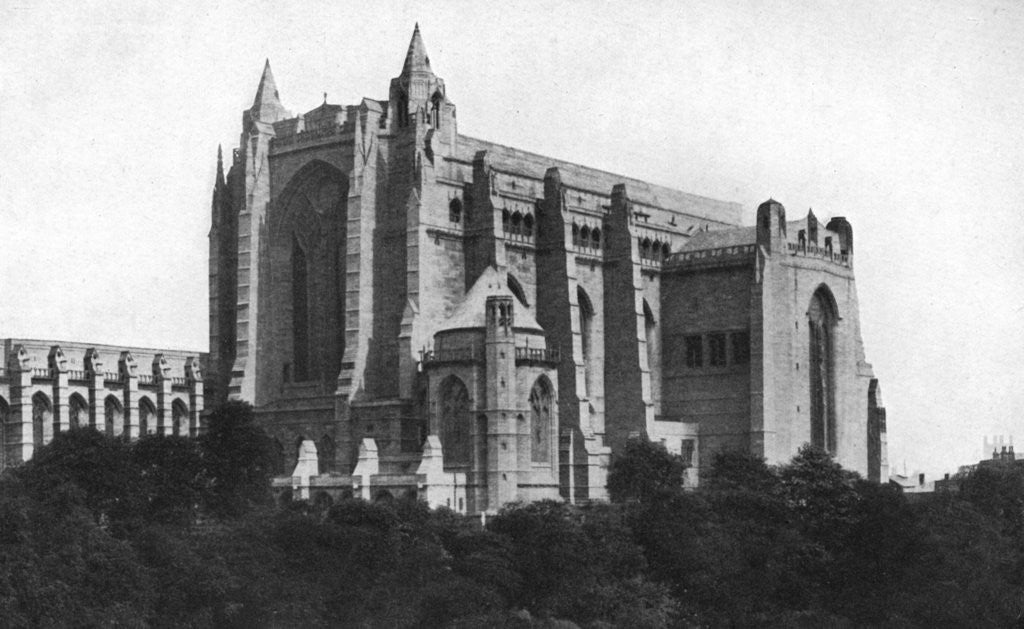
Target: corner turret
{"type": "Point", "coordinates": [771, 226]}
{"type": "Point", "coordinates": [841, 226]}
{"type": "Point", "coordinates": [418, 96]}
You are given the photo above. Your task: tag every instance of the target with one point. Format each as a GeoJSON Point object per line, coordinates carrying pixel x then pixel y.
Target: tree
{"type": "Point", "coordinates": [171, 477]}
{"type": "Point", "coordinates": [739, 470]}
{"type": "Point", "coordinates": [643, 471]}
{"type": "Point", "coordinates": [997, 490]}
{"type": "Point", "coordinates": [819, 491]}
{"type": "Point", "coordinates": [238, 458]}
{"type": "Point", "coordinates": [89, 468]}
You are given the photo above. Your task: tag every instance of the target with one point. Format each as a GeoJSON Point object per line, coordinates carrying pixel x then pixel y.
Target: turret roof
{"type": "Point", "coordinates": [267, 100]}
{"type": "Point", "coordinates": [416, 60]}
{"type": "Point", "coordinates": [472, 311]}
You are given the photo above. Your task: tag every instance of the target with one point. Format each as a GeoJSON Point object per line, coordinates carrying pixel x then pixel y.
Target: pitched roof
{"type": "Point", "coordinates": [528, 164]}
{"type": "Point", "coordinates": [716, 239]}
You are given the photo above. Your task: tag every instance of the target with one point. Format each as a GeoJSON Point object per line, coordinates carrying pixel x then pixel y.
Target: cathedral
{"type": "Point", "coordinates": [416, 312]}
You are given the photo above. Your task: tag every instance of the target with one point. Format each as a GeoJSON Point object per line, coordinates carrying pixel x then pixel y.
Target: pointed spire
{"type": "Point", "coordinates": [267, 104]}
{"type": "Point", "coordinates": [220, 165]}
{"type": "Point", "coordinates": [416, 60]}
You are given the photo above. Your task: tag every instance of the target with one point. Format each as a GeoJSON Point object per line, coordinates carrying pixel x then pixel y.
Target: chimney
{"type": "Point", "coordinates": [920, 479]}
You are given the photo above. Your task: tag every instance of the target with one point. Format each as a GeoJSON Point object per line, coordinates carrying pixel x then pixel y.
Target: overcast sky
{"type": "Point", "coordinates": [904, 117]}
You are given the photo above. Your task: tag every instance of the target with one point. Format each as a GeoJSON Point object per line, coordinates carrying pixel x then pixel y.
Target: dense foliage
{"type": "Point", "coordinates": [168, 532]}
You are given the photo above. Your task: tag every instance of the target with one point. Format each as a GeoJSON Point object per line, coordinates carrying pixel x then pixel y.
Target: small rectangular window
{"type": "Point", "coordinates": [694, 351]}
{"type": "Point", "coordinates": [741, 348]}
{"type": "Point", "coordinates": [716, 350]}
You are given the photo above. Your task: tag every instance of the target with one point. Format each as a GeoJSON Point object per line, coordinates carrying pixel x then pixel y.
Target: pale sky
{"type": "Point", "coordinates": [905, 117]}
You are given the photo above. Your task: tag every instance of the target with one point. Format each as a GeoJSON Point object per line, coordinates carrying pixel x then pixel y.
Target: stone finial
{"type": "Point", "coordinates": [93, 362]}
{"type": "Point", "coordinates": [127, 365]}
{"type": "Point", "coordinates": [58, 362]}
{"type": "Point", "coordinates": [161, 368]}
{"type": "Point", "coordinates": [20, 360]}
{"type": "Point", "coordinates": [193, 370]}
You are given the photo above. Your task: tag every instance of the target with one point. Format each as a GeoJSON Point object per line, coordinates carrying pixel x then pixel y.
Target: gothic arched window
{"type": "Point", "coordinates": [78, 411]}
{"type": "Point", "coordinates": [326, 451]}
{"type": "Point", "coordinates": [455, 422]}
{"type": "Point", "coordinates": [455, 210]}
{"type": "Point", "coordinates": [112, 416]}
{"type": "Point", "coordinates": [147, 418]}
{"type": "Point", "coordinates": [403, 109]}
{"type": "Point", "coordinates": [42, 419]}
{"type": "Point", "coordinates": [5, 412]}
{"type": "Point", "coordinates": [280, 459]}
{"type": "Point", "coordinates": [179, 419]}
{"type": "Point", "coordinates": [517, 289]}
{"type": "Point", "coordinates": [435, 111]}
{"type": "Point", "coordinates": [300, 313]}
{"type": "Point", "coordinates": [586, 309]}
{"type": "Point", "coordinates": [822, 320]}
{"type": "Point", "coordinates": [540, 421]}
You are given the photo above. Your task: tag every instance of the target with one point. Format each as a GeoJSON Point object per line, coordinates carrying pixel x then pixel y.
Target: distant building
{"type": "Point", "coordinates": [1001, 455]}
{"type": "Point", "coordinates": [991, 448]}
{"type": "Point", "coordinates": [912, 483]}
{"type": "Point", "coordinates": [50, 386]}
{"type": "Point", "coordinates": [415, 311]}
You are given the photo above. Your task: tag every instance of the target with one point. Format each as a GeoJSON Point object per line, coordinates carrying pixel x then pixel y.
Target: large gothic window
{"type": "Point", "coordinates": [822, 319]}
{"type": "Point", "coordinates": [308, 231]}
{"type": "Point", "coordinates": [300, 312]}
{"type": "Point", "coordinates": [586, 309]}
{"type": "Point", "coordinates": [455, 422]}
{"type": "Point", "coordinates": [540, 421]}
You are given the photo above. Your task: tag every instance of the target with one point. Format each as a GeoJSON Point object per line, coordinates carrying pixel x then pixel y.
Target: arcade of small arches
{"type": "Point", "coordinates": [654, 250]}
{"type": "Point", "coordinates": [38, 403]}
{"type": "Point", "coordinates": [585, 236]}
{"type": "Point", "coordinates": [517, 224]}
{"type": "Point", "coordinates": [109, 418]}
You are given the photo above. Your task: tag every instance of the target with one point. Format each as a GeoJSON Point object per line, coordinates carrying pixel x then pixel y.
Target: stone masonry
{"type": "Point", "coordinates": [414, 311]}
